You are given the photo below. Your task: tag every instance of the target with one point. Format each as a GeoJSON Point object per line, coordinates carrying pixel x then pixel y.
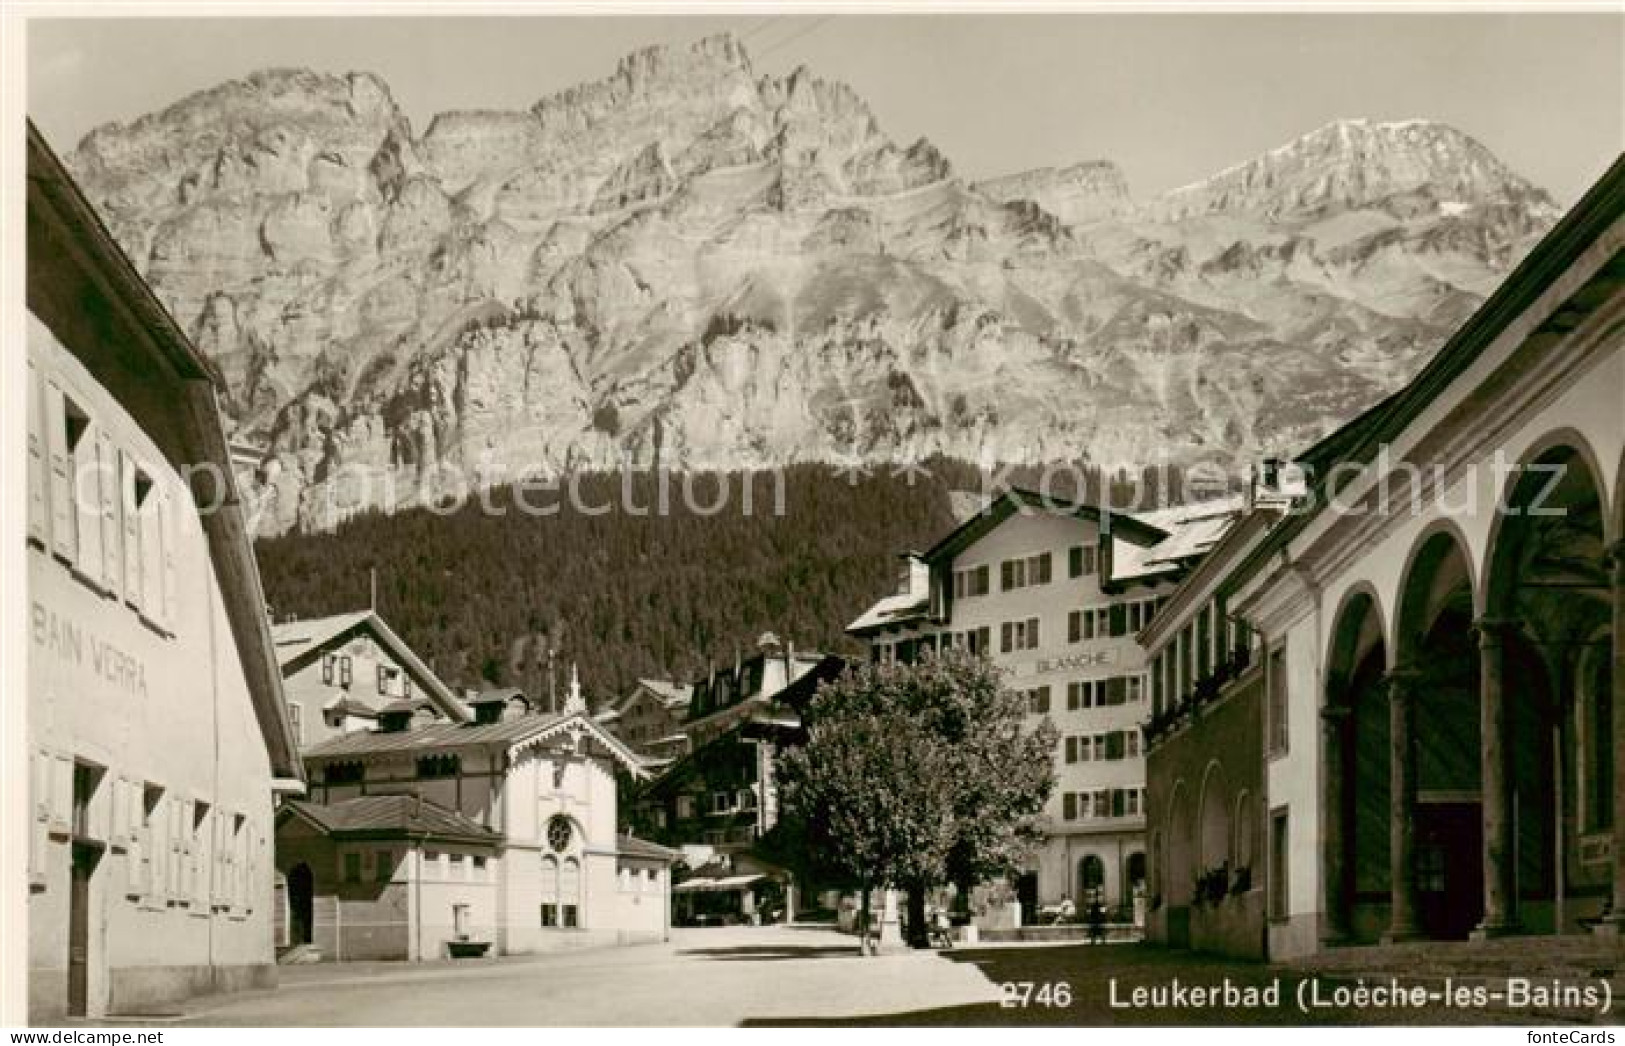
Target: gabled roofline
{"type": "Point", "coordinates": [1358, 440]}
{"type": "Point", "coordinates": [434, 687]}
{"type": "Point", "coordinates": [581, 721]}
{"type": "Point", "coordinates": [1215, 563]}
{"type": "Point", "coordinates": [61, 218]}
{"type": "Point", "coordinates": [297, 809]}
{"type": "Point", "coordinates": [1013, 499]}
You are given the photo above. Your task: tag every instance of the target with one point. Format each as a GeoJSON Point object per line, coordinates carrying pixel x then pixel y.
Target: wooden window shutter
{"type": "Point", "coordinates": [1069, 806]}
{"type": "Point", "coordinates": [1119, 619]}
{"type": "Point", "coordinates": [136, 847]}
{"type": "Point", "coordinates": [220, 863]}
{"type": "Point", "coordinates": [1117, 801]}
{"type": "Point", "coordinates": [40, 836]}
{"type": "Point", "coordinates": [38, 512]}
{"type": "Point", "coordinates": [131, 508]}
{"type": "Point", "coordinates": [61, 794]}
{"type": "Point", "coordinates": [118, 835]}
{"type": "Point", "coordinates": [174, 860]}
{"type": "Point", "coordinates": [1072, 749]}
{"type": "Point", "coordinates": [1114, 745]}
{"type": "Point", "coordinates": [167, 513]}
{"type": "Point", "coordinates": [152, 556]}
{"type": "Point", "coordinates": [107, 489]}
{"type": "Point", "coordinates": [64, 537]}
{"type": "Point", "coordinates": [84, 475]}
{"type": "Point", "coordinates": [1116, 690]}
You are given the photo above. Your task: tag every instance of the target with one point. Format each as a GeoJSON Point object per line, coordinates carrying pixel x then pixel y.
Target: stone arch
{"type": "Point", "coordinates": [1548, 600]}
{"type": "Point", "coordinates": [1564, 444]}
{"type": "Point", "coordinates": [1436, 863]}
{"type": "Point", "coordinates": [1355, 737]}
{"type": "Point", "coordinates": [1244, 833]}
{"type": "Point", "coordinates": [1180, 871]}
{"type": "Point", "coordinates": [1360, 606]}
{"type": "Point", "coordinates": [1439, 554]}
{"type": "Point", "coordinates": [1213, 819]}
{"type": "Point", "coordinates": [1618, 534]}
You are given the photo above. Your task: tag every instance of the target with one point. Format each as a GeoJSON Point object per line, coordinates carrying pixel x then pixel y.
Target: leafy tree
{"type": "Point", "coordinates": [916, 775]}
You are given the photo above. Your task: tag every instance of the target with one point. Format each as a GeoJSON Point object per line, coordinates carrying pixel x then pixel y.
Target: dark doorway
{"type": "Point", "coordinates": [1027, 895]}
{"type": "Point", "coordinates": [301, 904]}
{"type": "Point", "coordinates": [1091, 879]}
{"type": "Point", "coordinates": [1449, 869]}
{"type": "Point", "coordinates": [85, 858]}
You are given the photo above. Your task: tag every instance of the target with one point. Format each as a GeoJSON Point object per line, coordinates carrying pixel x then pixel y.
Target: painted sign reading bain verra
{"type": "Point", "coordinates": [724, 495]}
{"type": "Point", "coordinates": [74, 643]}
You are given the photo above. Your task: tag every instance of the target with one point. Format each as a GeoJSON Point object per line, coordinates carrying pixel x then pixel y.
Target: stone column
{"type": "Point", "coordinates": [1615, 924]}
{"type": "Point", "coordinates": [1335, 757]}
{"type": "Point", "coordinates": [1495, 805]}
{"type": "Point", "coordinates": [1402, 686]}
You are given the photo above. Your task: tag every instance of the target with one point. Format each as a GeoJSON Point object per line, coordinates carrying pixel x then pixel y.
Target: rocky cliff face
{"type": "Point", "coordinates": [693, 264]}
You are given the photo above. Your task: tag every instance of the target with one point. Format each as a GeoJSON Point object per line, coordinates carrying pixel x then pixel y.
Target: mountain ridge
{"type": "Point", "coordinates": [691, 264]}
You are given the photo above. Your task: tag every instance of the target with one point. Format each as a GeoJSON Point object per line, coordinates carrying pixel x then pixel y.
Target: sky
{"type": "Point", "coordinates": [1170, 97]}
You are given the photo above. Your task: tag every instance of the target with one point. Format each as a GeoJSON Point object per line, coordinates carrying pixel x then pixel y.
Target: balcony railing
{"type": "Point", "coordinates": [1207, 689]}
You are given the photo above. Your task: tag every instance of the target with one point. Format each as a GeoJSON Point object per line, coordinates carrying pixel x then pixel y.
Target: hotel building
{"type": "Point", "coordinates": [1053, 593]}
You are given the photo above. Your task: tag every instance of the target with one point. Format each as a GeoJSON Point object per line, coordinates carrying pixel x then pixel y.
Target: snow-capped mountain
{"type": "Point", "coordinates": [692, 263]}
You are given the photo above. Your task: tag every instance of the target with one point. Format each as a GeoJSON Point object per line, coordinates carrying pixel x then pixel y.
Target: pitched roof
{"type": "Point", "coordinates": [391, 815]}
{"type": "Point", "coordinates": [1587, 222]}
{"type": "Point", "coordinates": [95, 277]}
{"type": "Point", "coordinates": [432, 737]}
{"type": "Point", "coordinates": [668, 691]}
{"type": "Point", "coordinates": [498, 695]}
{"type": "Point", "coordinates": [300, 642]}
{"type": "Point", "coordinates": [298, 637]}
{"type": "Point", "coordinates": [632, 846]}
{"type": "Point", "coordinates": [1017, 499]}
{"type": "Point", "coordinates": [1192, 529]}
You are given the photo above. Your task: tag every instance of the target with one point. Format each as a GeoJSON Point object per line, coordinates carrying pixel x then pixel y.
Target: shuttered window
{"type": "Point", "coordinates": [107, 501]}
{"type": "Point", "coordinates": [40, 824]}
{"type": "Point", "coordinates": [64, 534]}
{"type": "Point", "coordinates": [38, 511]}
{"type": "Point", "coordinates": [84, 476]}
{"type": "Point", "coordinates": [168, 524]}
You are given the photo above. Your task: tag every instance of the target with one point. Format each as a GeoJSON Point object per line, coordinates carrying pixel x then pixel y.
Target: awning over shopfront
{"type": "Point", "coordinates": [722, 885]}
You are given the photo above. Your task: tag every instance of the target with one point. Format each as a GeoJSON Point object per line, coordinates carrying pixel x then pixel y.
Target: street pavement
{"type": "Point", "coordinates": [811, 975]}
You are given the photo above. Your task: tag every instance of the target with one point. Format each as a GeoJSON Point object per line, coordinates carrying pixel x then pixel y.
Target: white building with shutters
{"type": "Point", "coordinates": [1053, 592]}
{"type": "Point", "coordinates": [156, 732]}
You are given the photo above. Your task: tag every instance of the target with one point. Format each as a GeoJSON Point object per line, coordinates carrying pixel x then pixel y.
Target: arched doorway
{"type": "Point", "coordinates": [1215, 822]}
{"type": "Point", "coordinates": [1436, 868]}
{"type": "Point", "coordinates": [1091, 879]}
{"type": "Point", "coordinates": [1548, 603]}
{"type": "Point", "coordinates": [1178, 872]}
{"type": "Point", "coordinates": [1355, 725]}
{"type": "Point", "coordinates": [301, 904]}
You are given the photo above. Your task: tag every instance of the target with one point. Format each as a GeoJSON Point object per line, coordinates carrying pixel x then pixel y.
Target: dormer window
{"type": "Point", "coordinates": [343, 773]}
{"type": "Point", "coordinates": [395, 720]}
